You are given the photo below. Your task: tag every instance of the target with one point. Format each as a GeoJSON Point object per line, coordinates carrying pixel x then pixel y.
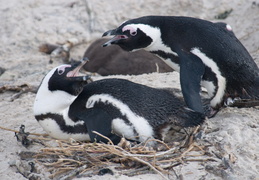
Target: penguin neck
{"type": "Point", "coordinates": [55, 102]}
{"type": "Point", "coordinates": [155, 34]}
{"type": "Point", "coordinates": [157, 43]}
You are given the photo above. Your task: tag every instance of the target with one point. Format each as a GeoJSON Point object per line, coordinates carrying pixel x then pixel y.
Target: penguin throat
{"type": "Point", "coordinates": [52, 102]}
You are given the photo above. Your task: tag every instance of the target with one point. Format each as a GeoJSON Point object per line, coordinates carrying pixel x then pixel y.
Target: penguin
{"type": "Point", "coordinates": [113, 60]}
{"type": "Point", "coordinates": [69, 106]}
{"type": "Point", "coordinates": [206, 54]}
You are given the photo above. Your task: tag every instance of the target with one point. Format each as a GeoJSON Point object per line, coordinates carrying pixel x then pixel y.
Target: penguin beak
{"type": "Point", "coordinates": [109, 33]}
{"type": "Point", "coordinates": [117, 37]}
{"type": "Point", "coordinates": [74, 73]}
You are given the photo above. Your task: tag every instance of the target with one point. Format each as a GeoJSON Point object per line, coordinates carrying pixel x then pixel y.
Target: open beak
{"type": "Point", "coordinates": [109, 33]}
{"type": "Point", "coordinates": [115, 39]}
{"type": "Point", "coordinates": [74, 74]}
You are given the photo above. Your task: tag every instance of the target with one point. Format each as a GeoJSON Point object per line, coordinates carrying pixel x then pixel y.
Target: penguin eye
{"type": "Point", "coordinates": [61, 71]}
{"type": "Point", "coordinates": [134, 33]}
{"type": "Point", "coordinates": [131, 29]}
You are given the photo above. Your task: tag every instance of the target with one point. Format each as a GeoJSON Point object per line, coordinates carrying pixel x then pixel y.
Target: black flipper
{"type": "Point", "coordinates": [191, 72]}
{"type": "Point", "coordinates": [100, 121]}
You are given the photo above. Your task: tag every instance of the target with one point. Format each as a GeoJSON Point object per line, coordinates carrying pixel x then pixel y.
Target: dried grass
{"type": "Point", "coordinates": [67, 159]}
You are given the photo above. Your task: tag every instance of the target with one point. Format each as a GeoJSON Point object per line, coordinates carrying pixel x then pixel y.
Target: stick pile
{"type": "Point", "coordinates": [68, 159]}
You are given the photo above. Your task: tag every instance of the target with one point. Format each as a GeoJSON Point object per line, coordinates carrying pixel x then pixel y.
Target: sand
{"type": "Point", "coordinates": [233, 133]}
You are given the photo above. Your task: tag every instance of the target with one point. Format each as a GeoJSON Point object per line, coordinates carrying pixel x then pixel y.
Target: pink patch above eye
{"type": "Point", "coordinates": [63, 67]}
{"type": "Point", "coordinates": [132, 30]}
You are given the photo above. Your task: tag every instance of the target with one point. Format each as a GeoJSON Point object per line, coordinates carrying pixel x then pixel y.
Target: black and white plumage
{"type": "Point", "coordinates": [206, 54]}
{"type": "Point", "coordinates": [67, 106]}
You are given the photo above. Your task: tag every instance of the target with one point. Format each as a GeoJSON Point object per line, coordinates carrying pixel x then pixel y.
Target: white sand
{"type": "Point", "coordinates": [27, 24]}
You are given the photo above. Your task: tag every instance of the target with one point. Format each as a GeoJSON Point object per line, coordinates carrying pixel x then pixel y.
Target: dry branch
{"type": "Point", "coordinates": [19, 89]}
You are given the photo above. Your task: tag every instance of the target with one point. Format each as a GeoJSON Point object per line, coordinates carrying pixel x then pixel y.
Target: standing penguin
{"type": "Point", "coordinates": [204, 53]}
{"type": "Point", "coordinates": [67, 106]}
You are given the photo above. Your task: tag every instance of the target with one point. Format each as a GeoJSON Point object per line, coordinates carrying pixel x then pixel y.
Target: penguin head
{"type": "Point", "coordinates": [59, 88]}
{"type": "Point", "coordinates": [65, 78]}
{"type": "Point", "coordinates": [134, 34]}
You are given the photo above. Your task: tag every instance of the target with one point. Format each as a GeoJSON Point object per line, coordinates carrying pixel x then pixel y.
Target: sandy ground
{"type": "Point", "coordinates": [233, 133]}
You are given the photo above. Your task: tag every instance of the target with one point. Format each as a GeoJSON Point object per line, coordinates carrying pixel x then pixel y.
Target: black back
{"type": "Point", "coordinates": [157, 105]}
{"type": "Point", "coordinates": [222, 46]}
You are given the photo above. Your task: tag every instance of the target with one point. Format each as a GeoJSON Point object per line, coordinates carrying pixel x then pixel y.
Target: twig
{"type": "Point", "coordinates": [132, 156]}
{"type": "Point", "coordinates": [148, 164]}
{"type": "Point", "coordinates": [157, 140]}
{"type": "Point", "coordinates": [147, 155]}
{"type": "Point", "coordinates": [35, 134]}
{"type": "Point", "coordinates": [95, 132]}
{"type": "Point", "coordinates": [73, 173]}
{"type": "Point", "coordinates": [201, 160]}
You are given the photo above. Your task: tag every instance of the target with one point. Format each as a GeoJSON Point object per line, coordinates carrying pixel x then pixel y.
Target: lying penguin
{"type": "Point", "coordinates": [204, 53]}
{"type": "Point", "coordinates": [69, 106]}
{"type": "Point", "coordinates": [113, 60]}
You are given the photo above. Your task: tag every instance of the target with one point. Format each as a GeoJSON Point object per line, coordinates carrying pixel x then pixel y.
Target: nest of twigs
{"type": "Point", "coordinates": [68, 159]}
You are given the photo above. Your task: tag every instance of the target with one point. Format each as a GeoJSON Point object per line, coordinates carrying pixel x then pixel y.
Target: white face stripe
{"type": "Point", "coordinates": [140, 124]}
{"type": "Point", "coordinates": [221, 80]}
{"type": "Point", "coordinates": [53, 129]}
{"type": "Point", "coordinates": [155, 34]}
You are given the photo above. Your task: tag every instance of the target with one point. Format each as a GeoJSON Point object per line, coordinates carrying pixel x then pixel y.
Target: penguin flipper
{"type": "Point", "coordinates": [191, 72]}
{"type": "Point", "coordinates": [96, 119]}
